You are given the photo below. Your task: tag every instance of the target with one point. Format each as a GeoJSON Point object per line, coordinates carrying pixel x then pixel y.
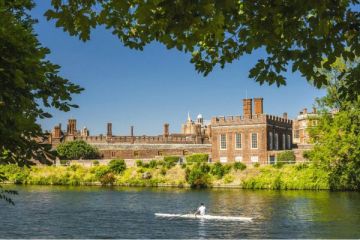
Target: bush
{"type": "Point", "coordinates": [278, 165]}
{"type": "Point", "coordinates": [239, 166]}
{"type": "Point", "coordinates": [228, 178]}
{"type": "Point", "coordinates": [77, 149]}
{"type": "Point", "coordinates": [152, 164]}
{"type": "Point", "coordinates": [198, 157]}
{"type": "Point", "coordinates": [100, 171]}
{"type": "Point", "coordinates": [95, 163]}
{"type": "Point", "coordinates": [197, 178]}
{"type": "Point", "coordinates": [256, 165]}
{"type": "Point", "coordinates": [139, 163]}
{"type": "Point", "coordinates": [286, 157]}
{"type": "Point", "coordinates": [107, 179]}
{"type": "Point", "coordinates": [117, 166]}
{"type": "Point", "coordinates": [163, 171]}
{"type": "Point", "coordinates": [170, 161]}
{"type": "Point", "coordinates": [219, 170]}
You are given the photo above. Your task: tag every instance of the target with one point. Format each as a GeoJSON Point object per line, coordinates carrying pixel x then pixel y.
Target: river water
{"type": "Point", "coordinates": [99, 212]}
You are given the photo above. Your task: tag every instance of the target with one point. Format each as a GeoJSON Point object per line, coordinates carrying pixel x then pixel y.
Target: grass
{"type": "Point", "coordinates": [301, 177]}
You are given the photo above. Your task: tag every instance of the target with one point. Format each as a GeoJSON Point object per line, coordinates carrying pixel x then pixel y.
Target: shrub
{"type": "Point", "coordinates": [170, 161]}
{"type": "Point", "coordinates": [197, 157]}
{"type": "Point", "coordinates": [197, 178]}
{"type": "Point", "coordinates": [228, 178]}
{"type": "Point", "coordinates": [239, 166]}
{"type": "Point", "coordinates": [100, 171]}
{"type": "Point", "coordinates": [107, 179]}
{"type": "Point", "coordinates": [163, 171]}
{"type": "Point", "coordinates": [152, 164]}
{"type": "Point", "coordinates": [219, 170]}
{"type": "Point", "coordinates": [95, 163]}
{"type": "Point", "coordinates": [256, 165]}
{"type": "Point", "coordinates": [286, 157]}
{"type": "Point", "coordinates": [183, 166]}
{"type": "Point", "coordinates": [77, 149]}
{"type": "Point", "coordinates": [278, 165]}
{"type": "Point", "coordinates": [139, 163]}
{"type": "Point", "coordinates": [117, 166]}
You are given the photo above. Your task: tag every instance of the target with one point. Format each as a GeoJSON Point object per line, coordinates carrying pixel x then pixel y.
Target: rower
{"type": "Point", "coordinates": [200, 210]}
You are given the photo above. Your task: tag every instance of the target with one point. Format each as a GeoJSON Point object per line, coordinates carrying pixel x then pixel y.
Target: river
{"type": "Point", "coordinates": [119, 212]}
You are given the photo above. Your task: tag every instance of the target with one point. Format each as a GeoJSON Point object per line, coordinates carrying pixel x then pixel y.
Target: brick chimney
{"type": "Point", "coordinates": [258, 106]}
{"type": "Point", "coordinates": [109, 130]}
{"type": "Point", "coordinates": [57, 131]}
{"type": "Point", "coordinates": [285, 115]}
{"type": "Point", "coordinates": [166, 130]}
{"type": "Point", "coordinates": [305, 111]}
{"type": "Point", "coordinates": [247, 107]}
{"type": "Point", "coordinates": [71, 127]}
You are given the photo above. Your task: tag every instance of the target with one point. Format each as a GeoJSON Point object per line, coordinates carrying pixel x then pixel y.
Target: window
{"type": "Point", "coordinates": [160, 153]}
{"type": "Point", "coordinates": [223, 159]}
{"type": "Point", "coordinates": [112, 154]}
{"type": "Point", "coordinates": [238, 159]}
{"type": "Point", "coordinates": [238, 140]}
{"type": "Point", "coordinates": [254, 159]}
{"type": "Point", "coordinates": [254, 141]}
{"type": "Point", "coordinates": [270, 140]}
{"type": "Point", "coordinates": [297, 134]}
{"type": "Point", "coordinates": [276, 141]}
{"type": "Point", "coordinates": [283, 142]}
{"type": "Point", "coordinates": [289, 141]}
{"type": "Point", "coordinates": [185, 152]}
{"type": "Point", "coordinates": [136, 153]}
{"type": "Point", "coordinates": [222, 141]}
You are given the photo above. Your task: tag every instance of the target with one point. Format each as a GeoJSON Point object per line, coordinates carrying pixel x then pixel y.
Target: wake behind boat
{"type": "Point", "coordinates": [208, 217]}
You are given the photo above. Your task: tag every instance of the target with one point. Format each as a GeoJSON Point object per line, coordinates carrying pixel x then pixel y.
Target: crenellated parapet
{"type": "Point", "coordinates": [237, 120]}
{"type": "Point", "coordinates": [276, 120]}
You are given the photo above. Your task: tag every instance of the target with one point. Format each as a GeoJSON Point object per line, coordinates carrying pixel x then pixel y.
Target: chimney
{"type": "Point", "coordinates": [258, 105]}
{"type": "Point", "coordinates": [305, 110]}
{"type": "Point", "coordinates": [247, 107]}
{"type": "Point", "coordinates": [57, 131]}
{"type": "Point", "coordinates": [314, 110]}
{"type": "Point", "coordinates": [132, 131]}
{"type": "Point", "coordinates": [71, 127]}
{"type": "Point", "coordinates": [166, 130]}
{"type": "Point", "coordinates": [285, 115]}
{"type": "Point", "coordinates": [109, 130]}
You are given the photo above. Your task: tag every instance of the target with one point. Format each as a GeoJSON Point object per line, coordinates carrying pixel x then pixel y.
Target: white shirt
{"type": "Point", "coordinates": [201, 210]}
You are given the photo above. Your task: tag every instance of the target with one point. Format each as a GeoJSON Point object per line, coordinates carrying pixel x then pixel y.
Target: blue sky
{"type": "Point", "coordinates": [148, 88]}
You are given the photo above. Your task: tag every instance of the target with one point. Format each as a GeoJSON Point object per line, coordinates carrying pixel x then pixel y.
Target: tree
{"type": "Point", "coordinates": [300, 33]}
{"type": "Point", "coordinates": [77, 149]}
{"type": "Point", "coordinates": [336, 136]}
{"type": "Point", "coordinates": [29, 85]}
{"type": "Point", "coordinates": [286, 157]}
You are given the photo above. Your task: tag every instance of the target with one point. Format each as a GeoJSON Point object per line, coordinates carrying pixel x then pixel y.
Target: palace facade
{"type": "Point", "coordinates": [254, 137]}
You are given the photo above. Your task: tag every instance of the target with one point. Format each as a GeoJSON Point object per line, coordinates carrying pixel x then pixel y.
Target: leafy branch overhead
{"type": "Point", "coordinates": [29, 84]}
{"type": "Point", "coordinates": [300, 33]}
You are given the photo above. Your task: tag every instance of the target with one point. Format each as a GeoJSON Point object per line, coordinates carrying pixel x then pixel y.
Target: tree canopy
{"type": "Point", "coordinates": [296, 33]}
{"type": "Point", "coordinates": [76, 150]}
{"type": "Point", "coordinates": [29, 84]}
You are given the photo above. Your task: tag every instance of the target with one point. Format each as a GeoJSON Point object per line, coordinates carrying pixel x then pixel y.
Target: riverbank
{"type": "Point", "coordinates": [297, 177]}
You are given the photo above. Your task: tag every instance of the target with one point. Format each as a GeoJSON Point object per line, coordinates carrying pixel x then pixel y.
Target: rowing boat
{"type": "Point", "coordinates": [207, 217]}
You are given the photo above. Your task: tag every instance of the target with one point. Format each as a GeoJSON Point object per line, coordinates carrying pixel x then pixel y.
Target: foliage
{"type": "Point", "coordinates": [77, 149]}
{"type": "Point", "coordinates": [288, 177]}
{"type": "Point", "coordinates": [152, 164]}
{"type": "Point", "coordinates": [95, 163]}
{"type": "Point", "coordinates": [139, 163]}
{"type": "Point", "coordinates": [219, 170]}
{"type": "Point", "coordinates": [163, 171]}
{"type": "Point", "coordinates": [171, 161]}
{"type": "Point", "coordinates": [256, 165]}
{"type": "Point", "coordinates": [117, 166]}
{"type": "Point", "coordinates": [228, 178]}
{"type": "Point", "coordinates": [107, 179]}
{"type": "Point", "coordinates": [286, 157]}
{"type": "Point", "coordinates": [295, 33]}
{"type": "Point", "coordinates": [239, 166]}
{"type": "Point", "coordinates": [29, 85]}
{"type": "Point", "coordinates": [197, 158]}
{"type": "Point", "coordinates": [197, 178]}
{"type": "Point", "coordinates": [336, 136]}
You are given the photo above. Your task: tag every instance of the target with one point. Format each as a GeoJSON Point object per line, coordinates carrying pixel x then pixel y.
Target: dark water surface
{"type": "Point", "coordinates": [95, 212]}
